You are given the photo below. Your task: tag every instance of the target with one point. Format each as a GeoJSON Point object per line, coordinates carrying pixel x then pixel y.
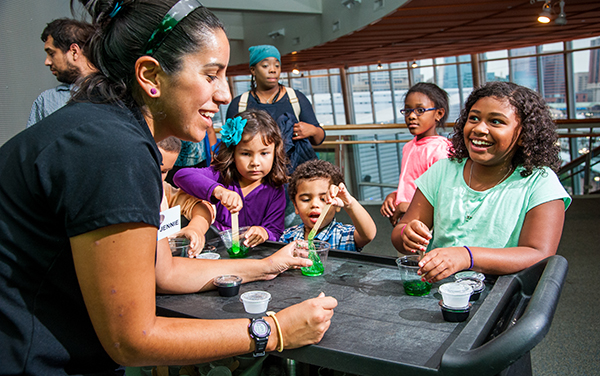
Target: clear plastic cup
{"type": "Point", "coordinates": [255, 301]}
{"type": "Point", "coordinates": [239, 251]}
{"type": "Point", "coordinates": [179, 246]}
{"type": "Point", "coordinates": [413, 285]}
{"type": "Point", "coordinates": [456, 295]}
{"type": "Point", "coordinates": [317, 253]}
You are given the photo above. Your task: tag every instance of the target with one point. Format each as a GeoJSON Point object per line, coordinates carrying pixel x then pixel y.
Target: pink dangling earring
{"type": "Point", "coordinates": [153, 91]}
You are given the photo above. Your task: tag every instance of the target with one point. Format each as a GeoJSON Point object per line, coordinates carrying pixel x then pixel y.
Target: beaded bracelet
{"type": "Point", "coordinates": [471, 256]}
{"type": "Point", "coordinates": [279, 334]}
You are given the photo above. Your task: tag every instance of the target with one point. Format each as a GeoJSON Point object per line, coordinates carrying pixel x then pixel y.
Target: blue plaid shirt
{"type": "Point", "coordinates": [339, 235]}
{"type": "Point", "coordinates": [48, 102]}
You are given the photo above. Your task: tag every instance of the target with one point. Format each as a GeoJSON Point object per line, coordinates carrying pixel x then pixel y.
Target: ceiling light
{"type": "Point", "coordinates": [544, 17]}
{"type": "Point", "coordinates": [562, 17]}
{"type": "Point", "coordinates": [414, 64]}
{"type": "Point", "coordinates": [295, 71]}
{"type": "Point", "coordinates": [379, 66]}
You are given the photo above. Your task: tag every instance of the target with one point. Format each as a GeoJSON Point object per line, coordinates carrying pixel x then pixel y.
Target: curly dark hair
{"type": "Point", "coordinates": [311, 170]}
{"type": "Point", "coordinates": [258, 122]}
{"type": "Point", "coordinates": [538, 145]}
{"type": "Point", "coordinates": [436, 94]}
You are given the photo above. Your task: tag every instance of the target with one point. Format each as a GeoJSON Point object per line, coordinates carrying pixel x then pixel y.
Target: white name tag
{"type": "Point", "coordinates": [170, 222]}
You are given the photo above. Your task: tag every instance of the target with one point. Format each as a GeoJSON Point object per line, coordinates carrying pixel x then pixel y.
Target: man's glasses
{"type": "Point", "coordinates": [418, 111]}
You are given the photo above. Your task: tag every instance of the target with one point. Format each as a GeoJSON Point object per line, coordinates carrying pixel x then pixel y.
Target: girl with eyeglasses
{"type": "Point", "coordinates": [425, 109]}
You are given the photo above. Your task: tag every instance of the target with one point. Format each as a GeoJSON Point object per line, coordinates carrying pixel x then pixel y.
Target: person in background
{"type": "Point", "coordinates": [310, 189]}
{"type": "Point", "coordinates": [64, 43]}
{"type": "Point", "coordinates": [425, 110]}
{"type": "Point", "coordinates": [199, 213]}
{"type": "Point", "coordinates": [290, 108]}
{"type": "Point", "coordinates": [496, 206]}
{"type": "Point", "coordinates": [80, 200]}
{"type": "Point", "coordinates": [246, 177]}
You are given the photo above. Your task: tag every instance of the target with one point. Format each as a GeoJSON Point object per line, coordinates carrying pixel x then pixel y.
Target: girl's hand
{"type": "Point", "coordinates": [305, 323]}
{"type": "Point", "coordinates": [229, 199]}
{"type": "Point", "coordinates": [196, 240]}
{"type": "Point", "coordinates": [416, 236]}
{"type": "Point", "coordinates": [441, 263]}
{"type": "Point", "coordinates": [399, 213]}
{"type": "Point", "coordinates": [283, 260]}
{"type": "Point", "coordinates": [255, 236]}
{"type": "Point", "coordinates": [389, 206]}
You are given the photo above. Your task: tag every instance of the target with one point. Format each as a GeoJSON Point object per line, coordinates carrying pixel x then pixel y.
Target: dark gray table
{"type": "Point", "coordinates": [378, 330]}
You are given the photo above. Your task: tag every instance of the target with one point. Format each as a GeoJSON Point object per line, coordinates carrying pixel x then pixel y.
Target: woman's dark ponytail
{"type": "Point", "coordinates": [122, 32]}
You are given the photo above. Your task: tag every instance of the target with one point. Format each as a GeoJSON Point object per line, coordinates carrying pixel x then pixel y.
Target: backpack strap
{"type": "Point", "coordinates": [243, 102]}
{"type": "Point", "coordinates": [294, 101]}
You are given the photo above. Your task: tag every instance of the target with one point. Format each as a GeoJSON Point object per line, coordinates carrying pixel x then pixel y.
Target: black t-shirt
{"type": "Point", "coordinates": [82, 168]}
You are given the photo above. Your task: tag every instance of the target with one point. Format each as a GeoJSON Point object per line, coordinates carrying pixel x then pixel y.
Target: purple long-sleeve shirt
{"type": "Point", "coordinates": [264, 206]}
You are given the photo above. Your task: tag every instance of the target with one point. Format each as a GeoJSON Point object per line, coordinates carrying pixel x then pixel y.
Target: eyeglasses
{"type": "Point", "coordinates": [418, 111]}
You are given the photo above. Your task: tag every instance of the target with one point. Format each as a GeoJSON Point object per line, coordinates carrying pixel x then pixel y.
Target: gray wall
{"type": "Point", "coordinates": [23, 75]}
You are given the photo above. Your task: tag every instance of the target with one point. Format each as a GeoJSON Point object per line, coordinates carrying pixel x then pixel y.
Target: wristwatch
{"type": "Point", "coordinates": [259, 331]}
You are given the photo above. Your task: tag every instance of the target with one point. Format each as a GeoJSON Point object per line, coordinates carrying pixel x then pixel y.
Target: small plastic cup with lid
{"type": "Point", "coordinates": [476, 284]}
{"type": "Point", "coordinates": [456, 295]}
{"type": "Point", "coordinates": [208, 256]}
{"type": "Point", "coordinates": [228, 285]}
{"type": "Point", "coordinates": [255, 301]}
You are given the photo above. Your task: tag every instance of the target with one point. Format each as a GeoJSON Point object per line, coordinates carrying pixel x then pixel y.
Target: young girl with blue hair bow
{"type": "Point", "coordinates": [246, 177]}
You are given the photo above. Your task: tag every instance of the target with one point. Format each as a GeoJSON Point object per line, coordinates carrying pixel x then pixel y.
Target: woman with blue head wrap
{"type": "Point", "coordinates": [266, 93]}
{"type": "Point", "coordinates": [290, 108]}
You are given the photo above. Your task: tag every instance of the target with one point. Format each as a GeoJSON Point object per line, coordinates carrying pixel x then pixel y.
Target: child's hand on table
{"type": "Point", "coordinates": [229, 199]}
{"type": "Point", "coordinates": [255, 236]}
{"type": "Point", "coordinates": [441, 263]}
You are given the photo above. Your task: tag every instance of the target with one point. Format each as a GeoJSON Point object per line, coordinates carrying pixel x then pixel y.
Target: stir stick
{"type": "Point", "coordinates": [235, 232]}
{"type": "Point", "coordinates": [315, 228]}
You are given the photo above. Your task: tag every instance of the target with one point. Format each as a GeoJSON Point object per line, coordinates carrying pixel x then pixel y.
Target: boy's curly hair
{"type": "Point", "coordinates": [311, 170]}
{"type": "Point", "coordinates": [258, 122]}
{"type": "Point", "coordinates": [538, 147]}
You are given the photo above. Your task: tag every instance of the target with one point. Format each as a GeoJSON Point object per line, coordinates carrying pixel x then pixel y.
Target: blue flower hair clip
{"type": "Point", "coordinates": [231, 132]}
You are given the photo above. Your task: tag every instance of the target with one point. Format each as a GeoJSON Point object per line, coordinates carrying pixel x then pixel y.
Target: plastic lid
{"type": "Point", "coordinates": [476, 284]}
{"type": "Point", "coordinates": [452, 309]}
{"type": "Point", "coordinates": [227, 281]}
{"type": "Point", "coordinates": [454, 288]}
{"type": "Point", "coordinates": [469, 274]}
{"type": "Point", "coordinates": [209, 255]}
{"type": "Point", "coordinates": [255, 296]}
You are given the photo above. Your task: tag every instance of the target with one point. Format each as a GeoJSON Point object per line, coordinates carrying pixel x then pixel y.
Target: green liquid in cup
{"type": "Point", "coordinates": [417, 288]}
{"type": "Point", "coordinates": [316, 268]}
{"type": "Point", "coordinates": [237, 251]}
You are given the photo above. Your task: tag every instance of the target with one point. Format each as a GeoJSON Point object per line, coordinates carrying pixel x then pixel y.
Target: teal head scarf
{"type": "Point", "coordinates": [259, 53]}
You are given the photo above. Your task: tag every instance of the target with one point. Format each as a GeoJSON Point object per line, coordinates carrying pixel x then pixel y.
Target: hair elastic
{"type": "Point", "coordinates": [402, 231]}
{"type": "Point", "coordinates": [471, 256]}
{"type": "Point", "coordinates": [115, 10]}
{"type": "Point", "coordinates": [279, 333]}
{"type": "Point", "coordinates": [177, 13]}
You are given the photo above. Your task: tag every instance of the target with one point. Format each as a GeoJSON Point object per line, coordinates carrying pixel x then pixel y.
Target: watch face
{"type": "Point", "coordinates": [260, 328]}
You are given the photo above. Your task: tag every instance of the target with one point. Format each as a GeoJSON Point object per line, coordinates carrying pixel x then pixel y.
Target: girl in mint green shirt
{"type": "Point", "coordinates": [496, 206]}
